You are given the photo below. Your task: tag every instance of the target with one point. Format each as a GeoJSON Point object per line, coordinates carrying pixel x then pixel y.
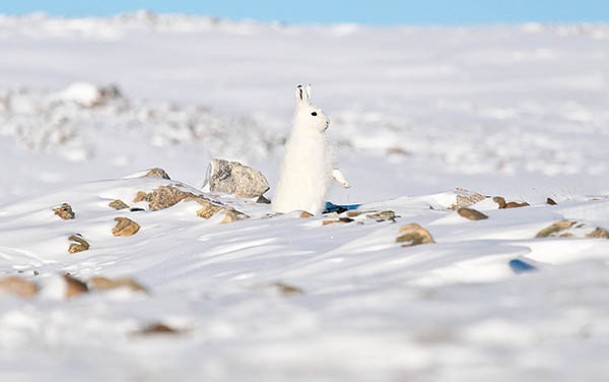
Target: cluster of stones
{"type": "Point", "coordinates": [28, 288]}
{"type": "Point", "coordinates": [163, 197]}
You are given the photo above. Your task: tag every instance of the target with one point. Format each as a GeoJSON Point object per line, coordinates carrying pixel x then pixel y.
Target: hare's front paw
{"type": "Point", "coordinates": [346, 184]}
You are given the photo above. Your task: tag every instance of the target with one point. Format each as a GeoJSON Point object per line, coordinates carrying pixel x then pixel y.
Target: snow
{"type": "Point", "coordinates": [416, 114]}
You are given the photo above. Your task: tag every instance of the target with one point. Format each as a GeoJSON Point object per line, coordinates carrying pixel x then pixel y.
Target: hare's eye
{"type": "Point", "coordinates": [314, 114]}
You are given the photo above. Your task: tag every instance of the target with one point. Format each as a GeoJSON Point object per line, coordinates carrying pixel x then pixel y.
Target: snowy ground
{"type": "Point", "coordinates": [516, 111]}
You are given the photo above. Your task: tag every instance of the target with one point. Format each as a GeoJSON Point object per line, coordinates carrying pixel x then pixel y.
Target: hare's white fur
{"type": "Point", "coordinates": [307, 166]}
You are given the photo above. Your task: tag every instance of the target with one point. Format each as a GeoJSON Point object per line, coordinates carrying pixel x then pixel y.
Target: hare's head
{"type": "Point", "coordinates": [307, 114]}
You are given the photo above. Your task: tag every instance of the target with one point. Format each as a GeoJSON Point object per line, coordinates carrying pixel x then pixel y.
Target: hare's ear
{"type": "Point", "coordinates": [302, 96]}
{"type": "Point", "coordinates": [308, 92]}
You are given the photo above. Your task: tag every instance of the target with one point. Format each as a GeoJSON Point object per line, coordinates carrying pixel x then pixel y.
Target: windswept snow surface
{"type": "Point", "coordinates": [517, 111]}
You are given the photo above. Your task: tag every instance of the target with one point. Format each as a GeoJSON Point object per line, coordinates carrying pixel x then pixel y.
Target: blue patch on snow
{"type": "Point", "coordinates": [331, 207]}
{"type": "Point", "coordinates": [521, 266]}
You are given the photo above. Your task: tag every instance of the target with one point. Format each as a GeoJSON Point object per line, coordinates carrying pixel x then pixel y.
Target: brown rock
{"type": "Point", "coordinates": [103, 283]}
{"type": "Point", "coordinates": [125, 227]}
{"type": "Point", "coordinates": [555, 228]}
{"type": "Point", "coordinates": [74, 287]}
{"type": "Point", "coordinates": [287, 289]}
{"type": "Point", "coordinates": [141, 196]}
{"type": "Point", "coordinates": [466, 198]}
{"type": "Point", "coordinates": [231, 215]}
{"type": "Point", "coordinates": [163, 197]}
{"type": "Point", "coordinates": [80, 245]}
{"type": "Point", "coordinates": [551, 202]}
{"type": "Point", "coordinates": [471, 214]}
{"type": "Point", "coordinates": [339, 220]}
{"type": "Point", "coordinates": [382, 216]}
{"type": "Point", "coordinates": [503, 204]}
{"type": "Point", "coordinates": [157, 328]}
{"type": "Point", "coordinates": [64, 211]}
{"type": "Point", "coordinates": [118, 204]}
{"type": "Point", "coordinates": [208, 209]}
{"type": "Point", "coordinates": [157, 173]}
{"type": "Point", "coordinates": [168, 196]}
{"type": "Point", "coordinates": [305, 214]}
{"type": "Point", "coordinates": [414, 234]}
{"type": "Point", "coordinates": [19, 286]}
{"type": "Point", "coordinates": [598, 233]}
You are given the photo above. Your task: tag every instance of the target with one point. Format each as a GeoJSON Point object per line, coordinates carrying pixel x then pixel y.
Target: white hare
{"type": "Point", "coordinates": [307, 166]}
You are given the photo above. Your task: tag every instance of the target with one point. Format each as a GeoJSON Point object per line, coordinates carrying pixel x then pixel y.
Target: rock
{"type": "Point", "coordinates": [103, 283]}
{"type": "Point", "coordinates": [234, 178]}
{"type": "Point", "coordinates": [163, 197]}
{"type": "Point", "coordinates": [19, 286]}
{"type": "Point", "coordinates": [382, 216]}
{"type": "Point", "coordinates": [551, 202]}
{"type": "Point", "coordinates": [339, 220]}
{"type": "Point", "coordinates": [354, 214]}
{"type": "Point", "coordinates": [168, 196]}
{"type": "Point", "coordinates": [64, 211]}
{"type": "Point", "coordinates": [287, 289]}
{"type": "Point", "coordinates": [80, 245]}
{"type": "Point", "coordinates": [555, 228]}
{"type": "Point", "coordinates": [471, 214]}
{"type": "Point", "coordinates": [157, 328]}
{"type": "Point", "coordinates": [208, 209]}
{"type": "Point", "coordinates": [305, 214]}
{"type": "Point", "coordinates": [157, 173]}
{"type": "Point", "coordinates": [262, 200]}
{"type": "Point", "coordinates": [74, 287]}
{"type": "Point", "coordinates": [500, 200]}
{"type": "Point", "coordinates": [118, 205]}
{"type": "Point", "coordinates": [125, 227]}
{"type": "Point", "coordinates": [598, 233]}
{"type": "Point", "coordinates": [466, 198]}
{"type": "Point", "coordinates": [142, 196]}
{"type": "Point", "coordinates": [414, 234]}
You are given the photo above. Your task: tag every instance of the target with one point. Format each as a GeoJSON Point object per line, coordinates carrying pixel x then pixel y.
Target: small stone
{"type": "Point", "coordinates": [80, 245]}
{"type": "Point", "coordinates": [598, 233]}
{"type": "Point", "coordinates": [104, 283]}
{"type": "Point", "coordinates": [231, 215]}
{"type": "Point", "coordinates": [551, 202]}
{"type": "Point", "coordinates": [555, 228]}
{"type": "Point", "coordinates": [305, 215]}
{"type": "Point", "coordinates": [74, 287]}
{"type": "Point", "coordinates": [503, 204]}
{"type": "Point", "coordinates": [287, 289]}
{"type": "Point", "coordinates": [262, 200]}
{"type": "Point", "coordinates": [19, 286]}
{"type": "Point", "coordinates": [382, 216]}
{"type": "Point", "coordinates": [354, 214]}
{"type": "Point", "coordinates": [118, 204]}
{"type": "Point", "coordinates": [157, 328]}
{"type": "Point", "coordinates": [157, 173]}
{"type": "Point", "coordinates": [234, 178]}
{"type": "Point", "coordinates": [414, 234]}
{"type": "Point", "coordinates": [339, 220]}
{"type": "Point", "coordinates": [64, 211]}
{"type": "Point", "coordinates": [471, 214]}
{"type": "Point", "coordinates": [125, 227]}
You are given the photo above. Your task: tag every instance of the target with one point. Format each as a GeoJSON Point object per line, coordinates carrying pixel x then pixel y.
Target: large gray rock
{"type": "Point", "coordinates": [234, 178]}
